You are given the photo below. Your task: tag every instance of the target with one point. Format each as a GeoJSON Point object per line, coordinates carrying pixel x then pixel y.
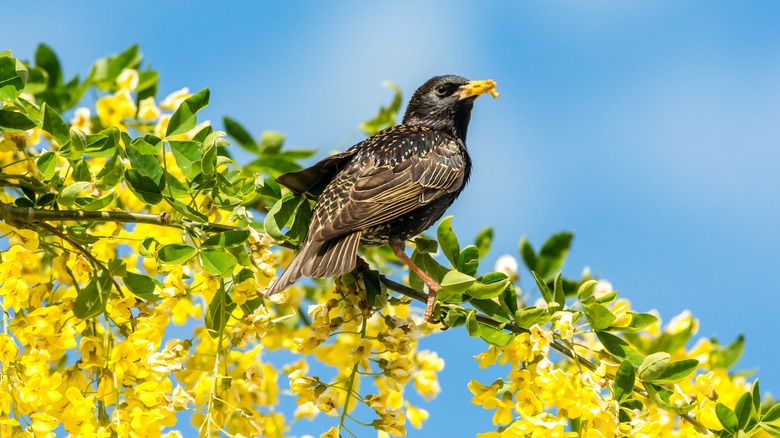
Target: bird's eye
{"type": "Point", "coordinates": [442, 90]}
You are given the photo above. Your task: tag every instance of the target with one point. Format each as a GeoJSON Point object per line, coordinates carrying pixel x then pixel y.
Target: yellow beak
{"type": "Point", "coordinates": [476, 88]}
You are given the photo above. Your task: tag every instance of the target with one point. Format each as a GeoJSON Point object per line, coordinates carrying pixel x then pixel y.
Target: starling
{"type": "Point", "coordinates": [390, 187]}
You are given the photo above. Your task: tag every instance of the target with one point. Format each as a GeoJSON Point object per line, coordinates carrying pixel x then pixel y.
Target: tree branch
{"type": "Point", "coordinates": [570, 353]}
{"type": "Point", "coordinates": [30, 215]}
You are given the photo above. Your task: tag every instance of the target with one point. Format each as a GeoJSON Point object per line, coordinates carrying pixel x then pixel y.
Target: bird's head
{"type": "Point", "coordinates": [444, 103]}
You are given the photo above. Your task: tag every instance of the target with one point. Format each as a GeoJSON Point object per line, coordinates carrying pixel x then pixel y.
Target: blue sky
{"type": "Point", "coordinates": [648, 128]}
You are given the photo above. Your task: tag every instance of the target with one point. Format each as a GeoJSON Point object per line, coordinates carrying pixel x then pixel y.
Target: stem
{"type": "Point", "coordinates": [351, 382]}
{"type": "Point", "coordinates": [484, 319]}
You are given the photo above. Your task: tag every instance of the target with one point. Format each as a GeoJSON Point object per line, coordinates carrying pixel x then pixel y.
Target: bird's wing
{"type": "Point", "coordinates": [390, 176]}
{"type": "Point", "coordinates": [314, 179]}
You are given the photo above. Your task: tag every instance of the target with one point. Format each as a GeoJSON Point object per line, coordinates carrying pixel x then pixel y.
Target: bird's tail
{"type": "Point", "coordinates": [334, 257]}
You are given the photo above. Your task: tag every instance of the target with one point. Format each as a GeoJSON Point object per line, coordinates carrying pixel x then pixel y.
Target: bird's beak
{"type": "Point", "coordinates": [477, 88]}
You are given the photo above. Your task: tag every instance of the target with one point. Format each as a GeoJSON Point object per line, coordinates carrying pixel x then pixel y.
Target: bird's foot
{"type": "Point", "coordinates": [429, 304]}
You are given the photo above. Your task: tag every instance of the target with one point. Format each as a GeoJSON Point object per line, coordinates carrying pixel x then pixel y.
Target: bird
{"type": "Point", "coordinates": [389, 187]}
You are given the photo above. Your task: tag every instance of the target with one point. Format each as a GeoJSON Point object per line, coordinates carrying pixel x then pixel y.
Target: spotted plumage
{"type": "Point", "coordinates": [389, 187]}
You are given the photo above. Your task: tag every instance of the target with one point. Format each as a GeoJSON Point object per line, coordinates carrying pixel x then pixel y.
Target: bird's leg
{"type": "Point", "coordinates": [398, 246]}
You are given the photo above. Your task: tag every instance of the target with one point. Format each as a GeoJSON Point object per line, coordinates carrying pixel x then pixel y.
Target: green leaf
{"type": "Point", "coordinates": [721, 357]}
{"type": "Point", "coordinates": [37, 80]}
{"type": "Point", "coordinates": [13, 76]}
{"type": "Point", "coordinates": [727, 417]}
{"type": "Point", "coordinates": [455, 282]}
{"type": "Point", "coordinates": [218, 311]}
{"type": "Point", "coordinates": [639, 321]}
{"type": "Point", "coordinates": [624, 381]}
{"type": "Point", "coordinates": [271, 142]}
{"type": "Point", "coordinates": [497, 337]}
{"type": "Point", "coordinates": [185, 117]}
{"type": "Point", "coordinates": [491, 309]}
{"type": "Point", "coordinates": [188, 157]}
{"type": "Point", "coordinates": [756, 393]}
{"type": "Point", "coordinates": [598, 316]}
{"type": "Point", "coordinates": [661, 396]}
{"type": "Point", "coordinates": [91, 299]}
{"type": "Point", "coordinates": [147, 247]}
{"type": "Point", "coordinates": [481, 290]}
{"type": "Point", "coordinates": [448, 241]}
{"type": "Point", "coordinates": [227, 238]}
{"type": "Point", "coordinates": [469, 260]}
{"type": "Point", "coordinates": [175, 253]}
{"type": "Point", "coordinates": [144, 188]}
{"type": "Point", "coordinates": [46, 165]}
{"type": "Point", "coordinates": [528, 254]}
{"type": "Point", "coordinates": [545, 291]}
{"type": "Point", "coordinates": [531, 315]}
{"type": "Point", "coordinates": [70, 193]}
{"type": "Point", "coordinates": [217, 262]}
{"type": "Point", "coordinates": [744, 410]}
{"type": "Point", "coordinates": [619, 348]}
{"type": "Point", "coordinates": [279, 215]}
{"type": "Point", "coordinates": [92, 204]}
{"type": "Point", "coordinates": [454, 318]}
{"type": "Point", "coordinates": [142, 286]}
{"type": "Point", "coordinates": [46, 59]}
{"type": "Point", "coordinates": [653, 366]}
{"type": "Point", "coordinates": [472, 326]}
{"type": "Point", "coordinates": [240, 135]}
{"type": "Point", "coordinates": [772, 415]}
{"type": "Point", "coordinates": [209, 162]}
{"type": "Point", "coordinates": [484, 240]}
{"type": "Point", "coordinates": [54, 125]}
{"type": "Point", "coordinates": [75, 150]}
{"type": "Point", "coordinates": [508, 299]}
{"type": "Point", "coordinates": [558, 293]}
{"type": "Point", "coordinates": [300, 225]}
{"type": "Point", "coordinates": [12, 121]}
{"type": "Point", "coordinates": [771, 429]}
{"type": "Point", "coordinates": [376, 293]}
{"type": "Point", "coordinates": [552, 255]}
{"type": "Point", "coordinates": [148, 145]}
{"type": "Point", "coordinates": [424, 245]}
{"type": "Point", "coordinates": [585, 290]}
{"type": "Point", "coordinates": [127, 59]}
{"type": "Point", "coordinates": [110, 175]}
{"type": "Point", "coordinates": [677, 371]}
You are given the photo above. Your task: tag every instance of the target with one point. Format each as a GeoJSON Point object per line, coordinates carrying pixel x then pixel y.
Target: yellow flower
{"type": "Point", "coordinates": [564, 325]}
{"type": "Point", "coordinates": [482, 393]}
{"type": "Point", "coordinates": [114, 108]}
{"type": "Point", "coordinates": [27, 239]}
{"type": "Point", "coordinates": [705, 386]}
{"type": "Point", "coordinates": [253, 377]}
{"type": "Point", "coordinates": [378, 402]}
{"type": "Point", "coordinates": [328, 402]}
{"type": "Point", "coordinates": [333, 432]}
{"type": "Point", "coordinates": [488, 357]}
{"type": "Point", "coordinates": [127, 79]}
{"type": "Point", "coordinates": [306, 410]}
{"type": "Point", "coordinates": [42, 424]}
{"type": "Point", "coordinates": [8, 349]}
{"type": "Point", "coordinates": [504, 408]}
{"type": "Point", "coordinates": [416, 415]}
{"type": "Point", "coordinates": [147, 109]}
{"type": "Point", "coordinates": [527, 402]}
{"type": "Point", "coordinates": [173, 100]}
{"type": "Point", "coordinates": [82, 270]}
{"type": "Point", "coordinates": [518, 351]}
{"type": "Point", "coordinates": [540, 340]}
{"type": "Point", "coordinates": [81, 120]}
{"type": "Point", "coordinates": [361, 352]}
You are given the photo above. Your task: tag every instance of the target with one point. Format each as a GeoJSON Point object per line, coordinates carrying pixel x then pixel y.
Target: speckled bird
{"type": "Point", "coordinates": [390, 187]}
